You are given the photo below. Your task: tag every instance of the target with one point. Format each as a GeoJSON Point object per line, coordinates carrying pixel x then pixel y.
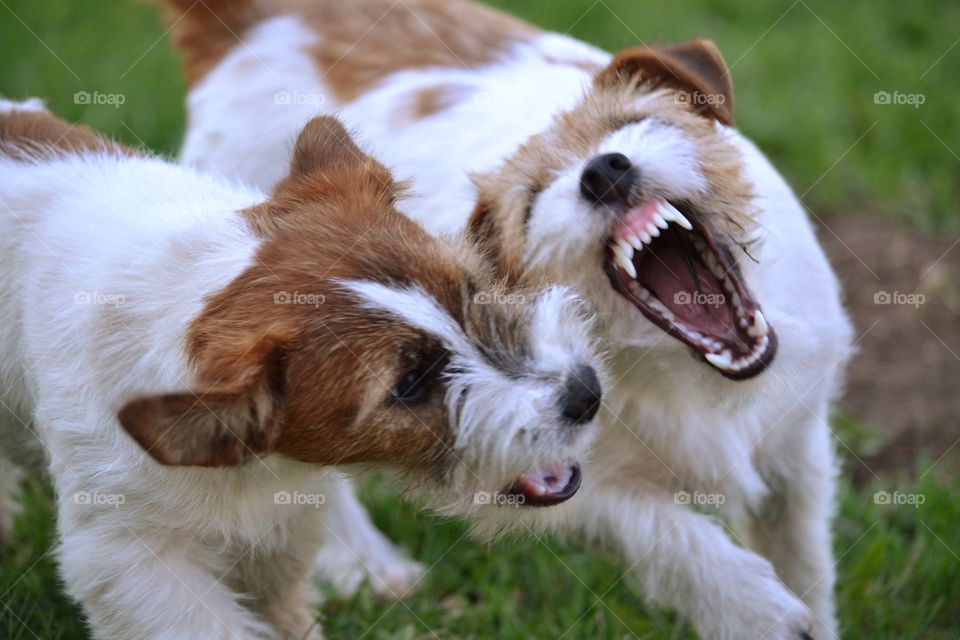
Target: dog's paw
{"type": "Point", "coordinates": [386, 569]}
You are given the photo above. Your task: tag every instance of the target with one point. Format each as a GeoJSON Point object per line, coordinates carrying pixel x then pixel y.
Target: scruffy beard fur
{"type": "Point", "coordinates": [529, 112]}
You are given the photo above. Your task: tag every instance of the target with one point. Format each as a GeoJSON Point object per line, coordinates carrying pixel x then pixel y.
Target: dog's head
{"type": "Point", "coordinates": [637, 198]}
{"type": "Point", "coordinates": [356, 337]}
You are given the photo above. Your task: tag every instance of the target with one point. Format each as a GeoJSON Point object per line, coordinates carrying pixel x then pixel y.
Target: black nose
{"type": "Point", "coordinates": [581, 397]}
{"type": "Point", "coordinates": [608, 179]}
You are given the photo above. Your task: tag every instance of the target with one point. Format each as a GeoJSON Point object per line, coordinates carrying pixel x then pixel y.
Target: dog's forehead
{"type": "Point", "coordinates": [491, 326]}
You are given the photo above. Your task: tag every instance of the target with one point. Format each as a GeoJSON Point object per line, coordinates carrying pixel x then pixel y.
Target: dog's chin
{"type": "Point", "coordinates": [683, 280]}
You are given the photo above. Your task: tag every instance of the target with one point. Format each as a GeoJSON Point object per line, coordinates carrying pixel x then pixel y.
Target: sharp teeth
{"type": "Point", "coordinates": [670, 212]}
{"type": "Point", "coordinates": [721, 361]}
{"type": "Point", "coordinates": [653, 230]}
{"type": "Point", "coordinates": [626, 248]}
{"type": "Point", "coordinates": [621, 260]}
{"type": "Point", "coordinates": [636, 243]}
{"type": "Point", "coordinates": [659, 220]}
{"type": "Point", "coordinates": [645, 237]}
{"type": "Point", "coordinates": [759, 327]}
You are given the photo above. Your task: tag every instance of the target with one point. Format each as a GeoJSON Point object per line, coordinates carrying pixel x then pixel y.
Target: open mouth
{"type": "Point", "coordinates": [686, 283]}
{"type": "Point", "coordinates": [548, 484]}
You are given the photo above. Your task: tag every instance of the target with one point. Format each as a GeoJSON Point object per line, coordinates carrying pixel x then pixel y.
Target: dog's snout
{"type": "Point", "coordinates": [608, 179]}
{"type": "Point", "coordinates": [581, 395]}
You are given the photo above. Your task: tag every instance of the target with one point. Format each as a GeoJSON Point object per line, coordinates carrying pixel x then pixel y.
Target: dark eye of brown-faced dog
{"type": "Point", "coordinates": [421, 374]}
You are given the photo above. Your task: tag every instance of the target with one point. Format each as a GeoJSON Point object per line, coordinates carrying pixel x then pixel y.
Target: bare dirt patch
{"type": "Point", "coordinates": [903, 292]}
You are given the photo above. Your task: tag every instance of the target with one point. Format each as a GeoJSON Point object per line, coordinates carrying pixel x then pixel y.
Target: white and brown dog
{"type": "Point", "coordinates": [247, 343]}
{"type": "Point", "coordinates": [621, 176]}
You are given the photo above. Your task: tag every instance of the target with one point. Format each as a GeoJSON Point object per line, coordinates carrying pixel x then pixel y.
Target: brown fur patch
{"type": "Point", "coordinates": [363, 41]}
{"type": "Point", "coordinates": [433, 100]}
{"type": "Point", "coordinates": [695, 68]}
{"type": "Point", "coordinates": [27, 135]}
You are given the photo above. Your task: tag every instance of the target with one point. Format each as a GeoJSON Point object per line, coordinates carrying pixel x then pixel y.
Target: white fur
{"type": "Point", "coordinates": [104, 263]}
{"type": "Point", "coordinates": [674, 424]}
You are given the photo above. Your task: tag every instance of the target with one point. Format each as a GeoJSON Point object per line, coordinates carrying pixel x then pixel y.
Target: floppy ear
{"type": "Point", "coordinates": [221, 426]}
{"type": "Point", "coordinates": [325, 143]}
{"type": "Point", "coordinates": [695, 67]}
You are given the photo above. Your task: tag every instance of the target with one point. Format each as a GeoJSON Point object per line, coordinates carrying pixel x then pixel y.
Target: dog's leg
{"type": "Point", "coordinates": [279, 581]}
{"type": "Point", "coordinates": [133, 584]}
{"type": "Point", "coordinates": [354, 550]}
{"type": "Point", "coordinates": [687, 562]}
{"type": "Point", "coordinates": [793, 530]}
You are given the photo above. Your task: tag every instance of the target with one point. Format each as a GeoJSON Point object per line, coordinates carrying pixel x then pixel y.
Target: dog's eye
{"type": "Point", "coordinates": [412, 387]}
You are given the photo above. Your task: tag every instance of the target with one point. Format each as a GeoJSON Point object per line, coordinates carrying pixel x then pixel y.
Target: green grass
{"type": "Point", "coordinates": [806, 74]}
{"type": "Point", "coordinates": [899, 578]}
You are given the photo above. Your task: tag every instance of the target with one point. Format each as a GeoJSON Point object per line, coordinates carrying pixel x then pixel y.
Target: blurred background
{"type": "Point", "coordinates": [856, 102]}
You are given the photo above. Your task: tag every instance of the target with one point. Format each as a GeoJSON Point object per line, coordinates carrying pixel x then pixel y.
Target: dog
{"type": "Point", "coordinates": [193, 355]}
{"type": "Point", "coordinates": [624, 177]}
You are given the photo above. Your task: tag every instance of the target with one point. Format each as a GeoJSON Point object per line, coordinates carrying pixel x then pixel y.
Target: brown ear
{"type": "Point", "coordinates": [695, 67]}
{"type": "Point", "coordinates": [224, 425]}
{"type": "Point", "coordinates": [325, 143]}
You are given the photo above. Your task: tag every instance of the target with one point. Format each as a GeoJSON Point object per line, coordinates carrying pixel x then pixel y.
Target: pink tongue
{"type": "Point", "coordinates": [546, 480]}
{"type": "Point", "coordinates": [699, 304]}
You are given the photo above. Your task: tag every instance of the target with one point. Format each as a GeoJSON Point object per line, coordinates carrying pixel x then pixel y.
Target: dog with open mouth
{"type": "Point", "coordinates": [624, 177]}
{"type": "Point", "coordinates": [188, 358]}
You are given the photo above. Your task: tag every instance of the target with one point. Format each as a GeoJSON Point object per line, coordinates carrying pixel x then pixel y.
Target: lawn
{"type": "Point", "coordinates": [807, 75]}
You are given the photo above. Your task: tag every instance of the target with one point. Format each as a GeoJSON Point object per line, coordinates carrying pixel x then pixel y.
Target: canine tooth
{"type": "Point", "coordinates": [624, 263]}
{"type": "Point", "coordinates": [721, 361]}
{"type": "Point", "coordinates": [759, 327]}
{"type": "Point", "coordinates": [670, 212]}
{"type": "Point", "coordinates": [626, 248]}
